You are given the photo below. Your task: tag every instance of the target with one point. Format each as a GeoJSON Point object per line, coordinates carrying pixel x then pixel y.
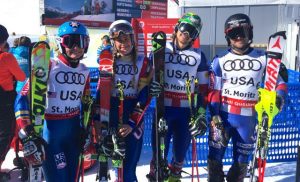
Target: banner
{"type": "Point", "coordinates": [94, 13]}
{"type": "Point", "coordinates": [144, 28]}
{"type": "Point", "coordinates": [127, 9]}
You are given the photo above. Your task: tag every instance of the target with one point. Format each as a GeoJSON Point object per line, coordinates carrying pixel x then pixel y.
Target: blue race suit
{"type": "Point", "coordinates": [62, 126]}
{"type": "Point", "coordinates": [134, 78]}
{"type": "Point", "coordinates": [180, 66]}
{"type": "Point", "coordinates": [234, 83]}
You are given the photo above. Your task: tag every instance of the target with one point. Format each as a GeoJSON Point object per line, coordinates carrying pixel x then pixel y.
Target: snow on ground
{"type": "Point", "coordinates": [275, 172]}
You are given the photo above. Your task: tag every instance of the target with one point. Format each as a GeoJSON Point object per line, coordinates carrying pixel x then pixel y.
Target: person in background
{"type": "Point", "coordinates": [21, 51]}
{"type": "Point", "coordinates": [10, 72]}
{"type": "Point", "coordinates": [106, 45]}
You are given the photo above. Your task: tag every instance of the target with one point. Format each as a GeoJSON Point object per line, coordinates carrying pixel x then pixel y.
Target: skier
{"type": "Point", "coordinates": [236, 74]}
{"type": "Point", "coordinates": [105, 46]}
{"type": "Point", "coordinates": [62, 131]}
{"type": "Point", "coordinates": [132, 71]}
{"type": "Point", "coordinates": [182, 63]}
{"type": "Point", "coordinates": [9, 72]}
{"type": "Point", "coordinates": [22, 53]}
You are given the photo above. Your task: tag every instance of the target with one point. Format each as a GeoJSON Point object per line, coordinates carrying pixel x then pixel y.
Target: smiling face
{"type": "Point", "coordinates": [183, 39]}
{"type": "Point", "coordinates": [75, 52]}
{"type": "Point", "coordinates": [123, 44]}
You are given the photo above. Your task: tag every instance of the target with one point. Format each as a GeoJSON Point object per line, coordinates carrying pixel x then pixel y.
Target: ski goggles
{"type": "Point", "coordinates": [189, 29]}
{"type": "Point", "coordinates": [117, 30]}
{"type": "Point", "coordinates": [69, 41]}
{"type": "Point", "coordinates": [236, 32]}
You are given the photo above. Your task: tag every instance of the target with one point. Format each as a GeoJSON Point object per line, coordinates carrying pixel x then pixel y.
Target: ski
{"type": "Point", "coordinates": [160, 125]}
{"type": "Point", "coordinates": [105, 87]}
{"type": "Point", "coordinates": [87, 102]}
{"type": "Point", "coordinates": [40, 60]}
{"type": "Point", "coordinates": [192, 98]}
{"type": "Point", "coordinates": [266, 107]}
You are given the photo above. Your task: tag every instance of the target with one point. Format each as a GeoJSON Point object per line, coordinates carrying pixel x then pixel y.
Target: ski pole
{"type": "Point", "coordinates": [121, 111]}
{"type": "Point", "coordinates": [194, 147]}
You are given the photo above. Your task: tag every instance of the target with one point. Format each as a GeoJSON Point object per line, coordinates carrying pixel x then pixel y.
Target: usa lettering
{"type": "Point", "coordinates": [243, 81]}
{"type": "Point", "coordinates": [179, 74]}
{"type": "Point", "coordinates": [70, 95]}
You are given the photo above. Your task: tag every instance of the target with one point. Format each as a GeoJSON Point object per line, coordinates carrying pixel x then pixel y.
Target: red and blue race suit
{"type": "Point", "coordinates": [234, 81]}
{"type": "Point", "coordinates": [62, 126]}
{"type": "Point", "coordinates": [134, 78]}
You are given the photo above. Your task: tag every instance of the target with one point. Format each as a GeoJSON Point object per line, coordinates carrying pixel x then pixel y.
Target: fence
{"type": "Point", "coordinates": [285, 131]}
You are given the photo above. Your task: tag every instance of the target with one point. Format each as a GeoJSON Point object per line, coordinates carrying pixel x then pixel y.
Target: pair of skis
{"type": "Point", "coordinates": [105, 87]}
{"type": "Point", "coordinates": [40, 60]}
{"type": "Point", "coordinates": [159, 126]}
{"type": "Point", "coordinates": [266, 107]}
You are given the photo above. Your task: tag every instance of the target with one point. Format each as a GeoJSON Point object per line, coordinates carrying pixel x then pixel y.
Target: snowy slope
{"type": "Point", "coordinates": [275, 172]}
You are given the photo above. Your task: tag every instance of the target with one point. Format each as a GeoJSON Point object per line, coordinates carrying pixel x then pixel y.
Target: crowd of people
{"type": "Point", "coordinates": [215, 82]}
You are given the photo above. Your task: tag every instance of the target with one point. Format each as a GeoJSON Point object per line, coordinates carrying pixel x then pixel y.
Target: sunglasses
{"type": "Point", "coordinates": [235, 33]}
{"type": "Point", "coordinates": [69, 41]}
{"type": "Point", "coordinates": [189, 29]}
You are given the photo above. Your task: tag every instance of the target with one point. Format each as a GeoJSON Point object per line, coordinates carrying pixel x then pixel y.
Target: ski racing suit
{"type": "Point", "coordinates": [180, 66]}
{"type": "Point", "coordinates": [22, 54]}
{"type": "Point", "coordinates": [9, 72]}
{"type": "Point", "coordinates": [135, 82]}
{"type": "Point", "coordinates": [62, 127]}
{"type": "Point", "coordinates": [234, 81]}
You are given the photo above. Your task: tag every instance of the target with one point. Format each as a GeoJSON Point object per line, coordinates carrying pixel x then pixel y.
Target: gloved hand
{"type": "Point", "coordinates": [155, 89]}
{"type": "Point", "coordinates": [198, 124]}
{"type": "Point", "coordinates": [217, 131]}
{"type": "Point", "coordinates": [119, 147]}
{"type": "Point", "coordinates": [33, 146]}
{"type": "Point", "coordinates": [85, 139]}
{"type": "Point", "coordinates": [279, 102]}
{"type": "Point", "coordinates": [107, 145]}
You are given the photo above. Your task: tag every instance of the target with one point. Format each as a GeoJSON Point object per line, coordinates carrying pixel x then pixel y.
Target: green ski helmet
{"type": "Point", "coordinates": [190, 23]}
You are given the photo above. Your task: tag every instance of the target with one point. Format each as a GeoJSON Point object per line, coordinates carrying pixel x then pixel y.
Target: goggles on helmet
{"type": "Point", "coordinates": [118, 29]}
{"type": "Point", "coordinates": [241, 31]}
{"type": "Point", "coordinates": [188, 28]}
{"type": "Point", "coordinates": [69, 41]}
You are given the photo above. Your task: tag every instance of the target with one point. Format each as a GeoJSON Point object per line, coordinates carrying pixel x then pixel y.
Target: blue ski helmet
{"type": "Point", "coordinates": [72, 33]}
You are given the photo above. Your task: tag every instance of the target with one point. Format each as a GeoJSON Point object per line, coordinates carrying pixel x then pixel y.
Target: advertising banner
{"type": "Point", "coordinates": [144, 28]}
{"type": "Point", "coordinates": [127, 9]}
{"type": "Point", "coordinates": [94, 13]}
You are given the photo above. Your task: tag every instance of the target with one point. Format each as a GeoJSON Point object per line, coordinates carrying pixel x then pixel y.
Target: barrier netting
{"type": "Point", "coordinates": [285, 131]}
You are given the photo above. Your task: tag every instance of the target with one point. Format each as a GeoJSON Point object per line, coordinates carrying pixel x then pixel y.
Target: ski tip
{"type": "Point", "coordinates": [41, 42]}
{"type": "Point", "coordinates": [280, 33]}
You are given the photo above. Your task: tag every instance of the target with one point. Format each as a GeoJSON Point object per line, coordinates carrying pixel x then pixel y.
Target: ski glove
{"type": "Point", "coordinates": [155, 89]}
{"type": "Point", "coordinates": [85, 139]}
{"type": "Point", "coordinates": [217, 131]}
{"type": "Point", "coordinates": [107, 145]}
{"type": "Point", "coordinates": [33, 146]}
{"type": "Point", "coordinates": [279, 102]}
{"type": "Point", "coordinates": [197, 125]}
{"type": "Point", "coordinates": [119, 147]}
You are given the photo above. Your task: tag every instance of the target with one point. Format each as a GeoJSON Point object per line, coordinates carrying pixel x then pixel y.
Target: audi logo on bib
{"type": "Point", "coordinates": [181, 59]}
{"type": "Point", "coordinates": [126, 69]}
{"type": "Point", "coordinates": [242, 64]}
{"type": "Point", "coordinates": [70, 78]}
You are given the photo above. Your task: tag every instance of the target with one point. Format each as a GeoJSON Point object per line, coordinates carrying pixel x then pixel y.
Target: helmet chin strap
{"type": "Point", "coordinates": [73, 62]}
{"type": "Point", "coordinates": [243, 49]}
